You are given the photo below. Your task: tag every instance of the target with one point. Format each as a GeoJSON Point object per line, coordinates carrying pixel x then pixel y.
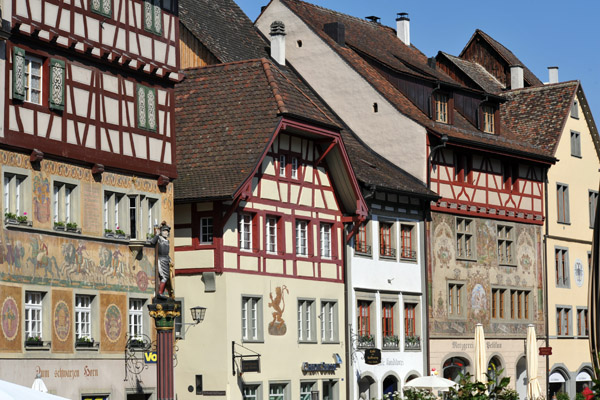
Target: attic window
{"type": "Point", "coordinates": [440, 102]}
{"type": "Point", "coordinates": [375, 107]}
{"type": "Point", "coordinates": [487, 113]}
{"type": "Point", "coordinates": [299, 43]}
{"type": "Point", "coordinates": [575, 109]}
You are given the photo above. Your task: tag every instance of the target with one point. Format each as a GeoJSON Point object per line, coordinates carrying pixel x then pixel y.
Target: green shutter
{"type": "Point", "coordinates": [148, 16]}
{"type": "Point", "coordinates": [107, 7]}
{"type": "Point", "coordinates": [103, 7]}
{"type": "Point", "coordinates": [151, 109]}
{"type": "Point", "coordinates": [157, 17]}
{"type": "Point", "coordinates": [56, 99]}
{"type": "Point", "coordinates": [18, 77]}
{"type": "Point", "coordinates": [142, 113]}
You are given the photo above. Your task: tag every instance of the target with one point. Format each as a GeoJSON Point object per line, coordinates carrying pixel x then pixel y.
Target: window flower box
{"type": "Point", "coordinates": [35, 341]}
{"type": "Point", "coordinates": [10, 218]}
{"type": "Point", "coordinates": [366, 341]}
{"type": "Point", "coordinates": [84, 341]}
{"type": "Point", "coordinates": [72, 227]}
{"type": "Point", "coordinates": [412, 343]}
{"type": "Point", "coordinates": [109, 233]}
{"type": "Point", "coordinates": [390, 342]}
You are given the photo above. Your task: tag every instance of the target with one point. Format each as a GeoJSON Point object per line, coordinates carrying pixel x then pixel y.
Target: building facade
{"type": "Point", "coordinates": [87, 153]}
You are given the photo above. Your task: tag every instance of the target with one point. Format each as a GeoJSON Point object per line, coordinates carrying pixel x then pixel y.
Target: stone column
{"type": "Point", "coordinates": [164, 314]}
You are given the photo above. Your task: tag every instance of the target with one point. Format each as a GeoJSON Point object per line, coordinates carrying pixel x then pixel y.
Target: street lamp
{"type": "Point", "coordinates": [198, 314]}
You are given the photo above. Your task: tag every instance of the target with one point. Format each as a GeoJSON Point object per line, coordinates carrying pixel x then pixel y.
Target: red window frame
{"type": "Point", "coordinates": [361, 239]}
{"type": "Point", "coordinates": [406, 240]}
{"type": "Point", "coordinates": [385, 239]}
{"type": "Point", "coordinates": [387, 319]}
{"type": "Point", "coordinates": [410, 321]}
{"type": "Point", "coordinates": [364, 318]}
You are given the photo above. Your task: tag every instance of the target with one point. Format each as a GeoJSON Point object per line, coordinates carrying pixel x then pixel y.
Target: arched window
{"type": "Point", "coordinates": [454, 367]}
{"type": "Point", "coordinates": [521, 381]}
{"type": "Point", "coordinates": [390, 385]}
{"type": "Point", "coordinates": [366, 388]}
{"type": "Point", "coordinates": [557, 382]}
{"type": "Point", "coordinates": [494, 371]}
{"type": "Point", "coordinates": [583, 380]}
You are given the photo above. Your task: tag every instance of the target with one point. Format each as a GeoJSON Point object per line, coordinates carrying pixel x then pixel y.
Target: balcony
{"type": "Point", "coordinates": [412, 343]}
{"type": "Point", "coordinates": [387, 252]}
{"type": "Point", "coordinates": [408, 254]}
{"type": "Point", "coordinates": [366, 341]}
{"type": "Point", "coordinates": [391, 342]}
{"type": "Point", "coordinates": [362, 249]}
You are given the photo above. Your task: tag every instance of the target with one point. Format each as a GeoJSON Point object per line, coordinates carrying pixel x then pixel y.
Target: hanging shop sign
{"type": "Point", "coordinates": [150, 357]}
{"type": "Point", "coordinates": [372, 356]}
{"type": "Point", "coordinates": [315, 368]}
{"type": "Point", "coordinates": [250, 365]}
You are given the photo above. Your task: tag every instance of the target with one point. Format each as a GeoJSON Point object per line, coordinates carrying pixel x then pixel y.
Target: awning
{"type": "Point", "coordinates": [583, 377]}
{"type": "Point", "coordinates": [556, 377]}
{"type": "Point", "coordinates": [11, 391]}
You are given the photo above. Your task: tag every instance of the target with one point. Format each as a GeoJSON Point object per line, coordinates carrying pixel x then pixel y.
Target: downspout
{"type": "Point", "coordinates": [545, 272]}
{"type": "Point", "coordinates": [426, 247]}
{"type": "Point", "coordinates": [347, 300]}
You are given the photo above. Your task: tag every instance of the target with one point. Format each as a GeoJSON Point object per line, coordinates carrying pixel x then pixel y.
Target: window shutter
{"type": "Point", "coordinates": [106, 7]}
{"type": "Point", "coordinates": [148, 15]}
{"type": "Point", "coordinates": [18, 78]}
{"type": "Point", "coordinates": [157, 10]}
{"type": "Point", "coordinates": [56, 100]}
{"type": "Point", "coordinates": [141, 106]}
{"type": "Point", "coordinates": [96, 5]}
{"type": "Point", "coordinates": [151, 108]}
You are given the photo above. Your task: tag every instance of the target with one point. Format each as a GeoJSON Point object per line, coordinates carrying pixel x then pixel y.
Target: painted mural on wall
{"type": "Point", "coordinates": [41, 199]}
{"type": "Point", "coordinates": [62, 321]}
{"type": "Point", "coordinates": [479, 276]}
{"type": "Point", "coordinates": [10, 318]}
{"type": "Point", "coordinates": [114, 322]}
{"type": "Point", "coordinates": [277, 326]}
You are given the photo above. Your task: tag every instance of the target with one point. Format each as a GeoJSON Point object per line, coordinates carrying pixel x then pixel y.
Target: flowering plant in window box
{"type": "Point", "coordinates": [72, 227]}
{"type": "Point", "coordinates": [150, 236]}
{"type": "Point", "coordinates": [84, 341]}
{"type": "Point", "coordinates": [390, 342]}
{"type": "Point", "coordinates": [10, 218]}
{"type": "Point", "coordinates": [366, 341]}
{"type": "Point", "coordinates": [34, 341]}
{"type": "Point", "coordinates": [108, 233]}
{"type": "Point", "coordinates": [59, 226]}
{"type": "Point", "coordinates": [412, 342]}
{"type": "Point", "coordinates": [22, 219]}
{"type": "Point", "coordinates": [120, 234]}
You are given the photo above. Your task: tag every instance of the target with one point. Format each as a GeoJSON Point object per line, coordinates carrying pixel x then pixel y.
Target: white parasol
{"type": "Point", "coordinates": [533, 386]}
{"type": "Point", "coordinates": [480, 355]}
{"type": "Point", "coordinates": [431, 382]}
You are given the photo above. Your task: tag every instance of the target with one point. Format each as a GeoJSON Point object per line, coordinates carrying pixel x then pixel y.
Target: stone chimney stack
{"type": "Point", "coordinates": [278, 42]}
{"type": "Point", "coordinates": [552, 74]}
{"type": "Point", "coordinates": [403, 28]}
{"type": "Point", "coordinates": [516, 77]}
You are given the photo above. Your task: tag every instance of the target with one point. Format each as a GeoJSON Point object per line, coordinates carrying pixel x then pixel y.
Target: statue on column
{"type": "Point", "coordinates": [163, 263]}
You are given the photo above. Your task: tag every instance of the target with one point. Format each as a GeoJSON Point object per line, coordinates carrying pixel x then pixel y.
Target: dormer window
{"type": "Point", "coordinates": [488, 119]}
{"type": "Point", "coordinates": [440, 103]}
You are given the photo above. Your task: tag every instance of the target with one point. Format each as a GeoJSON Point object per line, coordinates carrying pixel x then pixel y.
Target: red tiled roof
{"type": "Point", "coordinates": [486, 81]}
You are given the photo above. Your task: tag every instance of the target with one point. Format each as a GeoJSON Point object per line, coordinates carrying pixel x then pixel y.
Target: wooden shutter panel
{"type": "Point", "coordinates": [56, 99]}
{"type": "Point", "coordinates": [157, 17]}
{"type": "Point", "coordinates": [141, 107]}
{"type": "Point", "coordinates": [148, 15]}
{"type": "Point", "coordinates": [18, 78]}
{"type": "Point", "coordinates": [151, 108]}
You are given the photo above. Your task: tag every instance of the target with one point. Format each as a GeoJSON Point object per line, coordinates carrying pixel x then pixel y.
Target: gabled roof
{"type": "Point", "coordinates": [223, 28]}
{"type": "Point", "coordinates": [381, 43]}
{"type": "Point", "coordinates": [505, 54]}
{"type": "Point", "coordinates": [479, 75]}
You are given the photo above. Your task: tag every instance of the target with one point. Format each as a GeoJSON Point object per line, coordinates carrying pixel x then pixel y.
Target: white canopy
{"type": "Point", "coordinates": [431, 382]}
{"type": "Point", "coordinates": [12, 391]}
{"type": "Point", "coordinates": [583, 376]}
{"type": "Point", "coordinates": [556, 377]}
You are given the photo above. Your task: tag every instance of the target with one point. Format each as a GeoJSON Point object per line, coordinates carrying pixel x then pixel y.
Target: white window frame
{"type": "Point", "coordinates": [136, 318]}
{"type": "Point", "coordinates": [279, 391]}
{"type": "Point", "coordinates": [251, 391]}
{"type": "Point", "coordinates": [282, 165]}
{"type": "Point", "coordinates": [302, 227]}
{"type": "Point", "coordinates": [29, 59]}
{"type": "Point", "coordinates": [252, 319]}
{"type": "Point", "coordinates": [114, 206]}
{"type": "Point", "coordinates": [506, 244]}
{"type": "Point", "coordinates": [325, 239]}
{"type": "Point", "coordinates": [465, 238]}
{"type": "Point", "coordinates": [294, 168]}
{"type": "Point", "coordinates": [245, 231]}
{"type": "Point", "coordinates": [306, 389]}
{"type": "Point", "coordinates": [83, 316]}
{"type": "Point", "coordinates": [65, 202]}
{"type": "Point", "coordinates": [306, 321]}
{"type": "Point", "coordinates": [456, 300]}
{"type": "Point", "coordinates": [329, 321]}
{"type": "Point", "coordinates": [33, 315]}
{"type": "Point", "coordinates": [206, 230]}
{"type": "Point", "coordinates": [271, 234]}
{"type": "Point", "coordinates": [17, 194]}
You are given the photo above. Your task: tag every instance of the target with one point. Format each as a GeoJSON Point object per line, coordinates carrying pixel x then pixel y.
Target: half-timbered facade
{"type": "Point", "coordinates": [88, 151]}
{"type": "Point", "coordinates": [261, 224]}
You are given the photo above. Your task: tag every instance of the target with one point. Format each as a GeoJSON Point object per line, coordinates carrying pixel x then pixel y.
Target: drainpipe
{"type": "Point", "coordinates": [425, 289]}
{"type": "Point", "coordinates": [545, 272]}
{"type": "Point", "coordinates": [348, 302]}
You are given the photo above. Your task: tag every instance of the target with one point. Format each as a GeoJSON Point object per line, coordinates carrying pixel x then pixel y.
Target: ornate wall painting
{"type": "Point", "coordinates": [10, 318]}
{"type": "Point", "coordinates": [277, 326]}
{"type": "Point", "coordinates": [113, 322]}
{"type": "Point", "coordinates": [578, 272]}
{"type": "Point", "coordinates": [62, 321]}
{"type": "Point", "coordinates": [41, 199]}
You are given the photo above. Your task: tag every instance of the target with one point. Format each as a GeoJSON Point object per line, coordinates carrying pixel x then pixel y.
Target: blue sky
{"type": "Point", "coordinates": [541, 33]}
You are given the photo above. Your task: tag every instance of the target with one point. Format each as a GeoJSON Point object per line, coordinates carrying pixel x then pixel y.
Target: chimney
{"type": "Point", "coordinates": [337, 31]}
{"type": "Point", "coordinates": [373, 18]}
{"type": "Point", "coordinates": [403, 28]}
{"type": "Point", "coordinates": [516, 77]}
{"type": "Point", "coordinates": [552, 74]}
{"type": "Point", "coordinates": [278, 42]}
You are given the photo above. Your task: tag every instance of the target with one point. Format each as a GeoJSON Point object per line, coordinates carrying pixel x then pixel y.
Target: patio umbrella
{"type": "Point", "coordinates": [39, 385]}
{"type": "Point", "coordinates": [12, 391]}
{"type": "Point", "coordinates": [533, 386]}
{"type": "Point", "coordinates": [594, 295]}
{"type": "Point", "coordinates": [480, 356]}
{"type": "Point", "coordinates": [431, 382]}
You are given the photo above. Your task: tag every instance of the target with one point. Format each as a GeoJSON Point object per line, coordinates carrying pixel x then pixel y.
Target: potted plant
{"type": "Point", "coordinates": [412, 342]}
{"type": "Point", "coordinates": [136, 343]}
{"type": "Point", "coordinates": [84, 341]}
{"type": "Point", "coordinates": [34, 341]}
{"type": "Point", "coordinates": [390, 341]}
{"type": "Point", "coordinates": [108, 233]}
{"type": "Point", "coordinates": [149, 236]}
{"type": "Point", "coordinates": [10, 218]}
{"type": "Point", "coordinates": [59, 226]}
{"type": "Point", "coordinates": [22, 219]}
{"type": "Point", "coordinates": [72, 227]}
{"type": "Point", "coordinates": [366, 341]}
{"type": "Point", "coordinates": [120, 234]}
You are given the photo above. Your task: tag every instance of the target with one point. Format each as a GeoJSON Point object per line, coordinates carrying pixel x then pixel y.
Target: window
{"type": "Point", "coordinates": [282, 165]}
{"type": "Point", "coordinates": [146, 108]}
{"type": "Point", "coordinates": [33, 315]}
{"type": "Point", "coordinates": [329, 328]}
{"type": "Point", "coordinates": [562, 192]}
{"type": "Point", "coordinates": [246, 232]}
{"type": "Point", "coordinates": [326, 240]}
{"type": "Point", "coordinates": [252, 318]}
{"type": "Point", "coordinates": [592, 203]}
{"type": "Point", "coordinates": [387, 319]}
{"type": "Point", "coordinates": [498, 303]}
{"type": "Point", "coordinates": [462, 168]}
{"type": "Point", "coordinates": [301, 238]}
{"type": "Point", "coordinates": [362, 239]}
{"type": "Point", "coordinates": [294, 168]}
{"type": "Point", "coordinates": [102, 7]}
{"type": "Point", "coordinates": [114, 213]}
{"type": "Point", "coordinates": [251, 392]}
{"type": "Point", "coordinates": [136, 318]}
{"type": "Point", "coordinates": [151, 207]}
{"type": "Point", "coordinates": [33, 79]}
{"type": "Point", "coordinates": [563, 321]}
{"type": "Point", "coordinates": [271, 231]}
{"type": "Point", "coordinates": [15, 194]}
{"type": "Point", "coordinates": [278, 391]}
{"type": "Point", "coordinates": [561, 266]}
{"type": "Point", "coordinates": [519, 304]}
{"type": "Point", "coordinates": [582, 322]}
{"type": "Point", "coordinates": [364, 318]}
{"type": "Point", "coordinates": [306, 321]}
{"type": "Point", "coordinates": [575, 109]}
{"type": "Point", "coordinates": [505, 244]}
{"type": "Point", "coordinates": [455, 299]}
{"type": "Point", "coordinates": [153, 16]}
{"type": "Point", "coordinates": [83, 317]}
{"type": "Point", "coordinates": [206, 230]}
{"type": "Point", "coordinates": [440, 102]}
{"type": "Point", "coordinates": [406, 240]}
{"type": "Point", "coordinates": [410, 319]}
{"type": "Point", "coordinates": [386, 242]}
{"type": "Point", "coordinates": [575, 144]}
{"type": "Point", "coordinates": [64, 202]}
{"type": "Point", "coordinates": [179, 331]}
{"type": "Point", "coordinates": [464, 238]}
{"type": "Point", "coordinates": [488, 119]}
{"type": "Point", "coordinates": [306, 389]}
